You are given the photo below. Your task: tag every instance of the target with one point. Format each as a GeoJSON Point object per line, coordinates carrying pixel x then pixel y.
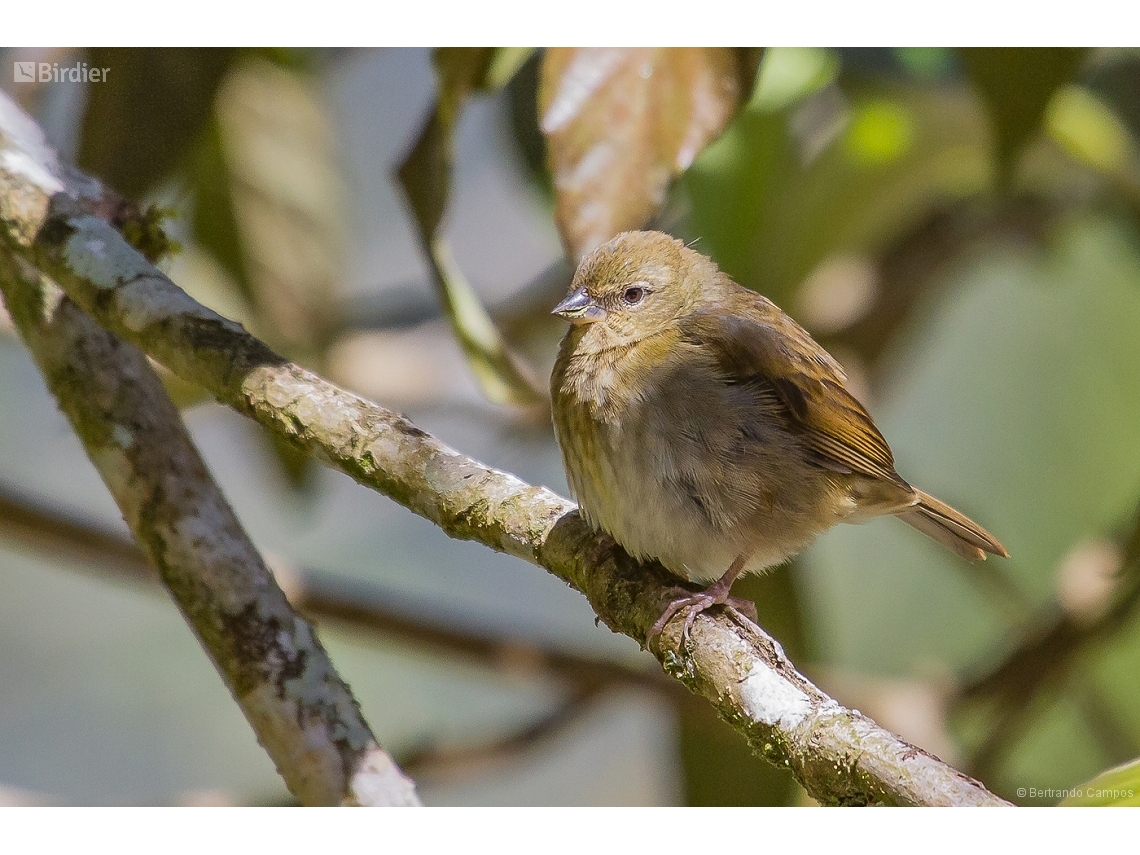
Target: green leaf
{"type": "Point", "coordinates": [1016, 85]}
{"type": "Point", "coordinates": [145, 118]}
{"type": "Point", "coordinates": [788, 75]}
{"type": "Point", "coordinates": [504, 65]}
{"type": "Point", "coordinates": [889, 156]}
{"type": "Point", "coordinates": [1119, 787]}
{"type": "Point", "coordinates": [621, 123]}
{"type": "Point", "coordinates": [425, 176]}
{"type": "Point", "coordinates": [1090, 131]}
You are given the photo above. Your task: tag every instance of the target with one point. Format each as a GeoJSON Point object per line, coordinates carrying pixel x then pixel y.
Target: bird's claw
{"type": "Point", "coordinates": [694, 604]}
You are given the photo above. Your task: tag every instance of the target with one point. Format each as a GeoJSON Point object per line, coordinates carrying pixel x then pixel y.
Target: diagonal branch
{"type": "Point", "coordinates": [304, 715]}
{"type": "Point", "coordinates": [1045, 656]}
{"type": "Point", "coordinates": [839, 755]}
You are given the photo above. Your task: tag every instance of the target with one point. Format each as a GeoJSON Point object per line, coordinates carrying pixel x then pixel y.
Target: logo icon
{"type": "Point", "coordinates": [24, 72]}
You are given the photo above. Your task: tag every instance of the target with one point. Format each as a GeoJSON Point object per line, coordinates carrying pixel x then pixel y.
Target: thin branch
{"type": "Point", "coordinates": [24, 520]}
{"type": "Point", "coordinates": [1045, 658]}
{"type": "Point", "coordinates": [358, 607]}
{"type": "Point", "coordinates": [303, 713]}
{"type": "Point", "coordinates": [1052, 641]}
{"type": "Point", "coordinates": [838, 755]}
{"type": "Point", "coordinates": [450, 764]}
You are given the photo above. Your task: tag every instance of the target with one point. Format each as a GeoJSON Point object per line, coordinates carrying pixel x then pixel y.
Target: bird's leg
{"type": "Point", "coordinates": [715, 594]}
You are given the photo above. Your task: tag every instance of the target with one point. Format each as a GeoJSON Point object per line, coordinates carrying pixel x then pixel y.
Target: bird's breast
{"type": "Point", "coordinates": [678, 464]}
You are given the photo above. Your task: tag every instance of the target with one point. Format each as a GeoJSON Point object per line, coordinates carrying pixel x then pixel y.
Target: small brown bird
{"type": "Point", "coordinates": [703, 427]}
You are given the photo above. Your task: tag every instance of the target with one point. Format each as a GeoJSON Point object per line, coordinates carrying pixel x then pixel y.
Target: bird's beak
{"type": "Point", "coordinates": [579, 308]}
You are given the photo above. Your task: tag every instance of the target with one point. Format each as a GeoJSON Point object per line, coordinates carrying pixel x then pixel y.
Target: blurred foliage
{"type": "Point", "coordinates": [426, 178]}
{"type": "Point", "coordinates": [1016, 85]}
{"type": "Point", "coordinates": [865, 165]}
{"type": "Point", "coordinates": [1119, 787]}
{"type": "Point", "coordinates": [960, 227]}
{"type": "Point", "coordinates": [247, 134]}
{"type": "Point", "coordinates": [1117, 79]}
{"type": "Point", "coordinates": [139, 124]}
{"type": "Point", "coordinates": [288, 198]}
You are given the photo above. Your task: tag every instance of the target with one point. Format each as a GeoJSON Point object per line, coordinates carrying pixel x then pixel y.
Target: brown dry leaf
{"type": "Point", "coordinates": [288, 196]}
{"type": "Point", "coordinates": [620, 123]}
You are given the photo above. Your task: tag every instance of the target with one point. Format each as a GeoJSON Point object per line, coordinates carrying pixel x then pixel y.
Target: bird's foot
{"type": "Point", "coordinates": [694, 604]}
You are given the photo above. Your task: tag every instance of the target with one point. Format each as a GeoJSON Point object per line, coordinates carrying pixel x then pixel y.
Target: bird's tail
{"type": "Point", "coordinates": [951, 528]}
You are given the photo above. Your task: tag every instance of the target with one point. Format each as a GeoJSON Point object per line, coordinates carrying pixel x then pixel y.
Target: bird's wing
{"type": "Point", "coordinates": [776, 351]}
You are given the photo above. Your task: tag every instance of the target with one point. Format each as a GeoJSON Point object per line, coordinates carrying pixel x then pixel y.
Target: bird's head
{"type": "Point", "coordinates": [634, 286]}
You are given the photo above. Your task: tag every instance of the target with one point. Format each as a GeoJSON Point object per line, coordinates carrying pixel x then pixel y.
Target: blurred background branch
{"type": "Point", "coordinates": [1048, 648]}
{"type": "Point", "coordinates": [362, 608]}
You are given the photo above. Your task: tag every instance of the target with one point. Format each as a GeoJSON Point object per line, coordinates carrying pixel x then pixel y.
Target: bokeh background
{"type": "Point", "coordinates": [961, 228]}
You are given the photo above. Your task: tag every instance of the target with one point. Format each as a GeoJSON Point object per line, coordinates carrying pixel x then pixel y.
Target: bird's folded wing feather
{"type": "Point", "coordinates": [809, 383]}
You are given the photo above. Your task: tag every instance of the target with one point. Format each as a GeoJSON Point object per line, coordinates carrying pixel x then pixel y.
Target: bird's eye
{"type": "Point", "coordinates": [633, 295]}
